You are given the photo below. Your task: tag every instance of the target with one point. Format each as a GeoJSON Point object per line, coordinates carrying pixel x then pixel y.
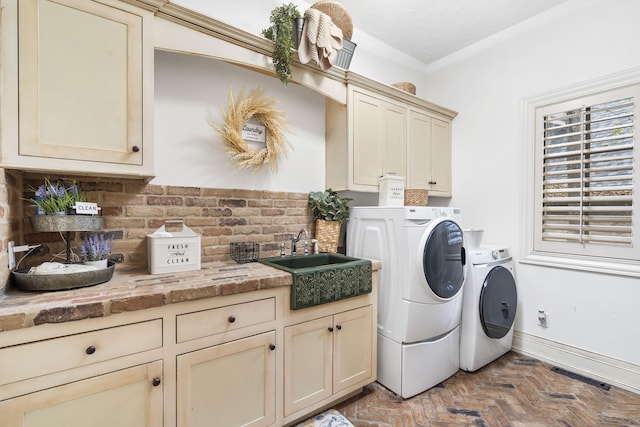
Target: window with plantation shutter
{"type": "Point", "coordinates": [585, 175]}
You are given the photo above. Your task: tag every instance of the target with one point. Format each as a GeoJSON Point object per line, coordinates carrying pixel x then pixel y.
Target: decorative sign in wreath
{"type": "Point", "coordinates": [236, 130]}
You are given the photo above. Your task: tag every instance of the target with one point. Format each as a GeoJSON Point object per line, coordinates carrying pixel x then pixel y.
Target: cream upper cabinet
{"type": "Point", "coordinates": [365, 140]}
{"type": "Point", "coordinates": [377, 134]}
{"type": "Point", "coordinates": [84, 78]}
{"type": "Point", "coordinates": [429, 154]}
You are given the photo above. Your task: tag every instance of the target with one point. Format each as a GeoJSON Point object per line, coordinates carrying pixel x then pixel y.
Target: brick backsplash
{"type": "Point", "coordinates": [132, 209]}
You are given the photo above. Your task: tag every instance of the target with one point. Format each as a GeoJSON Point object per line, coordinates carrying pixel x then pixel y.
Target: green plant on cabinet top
{"type": "Point", "coordinates": [282, 18]}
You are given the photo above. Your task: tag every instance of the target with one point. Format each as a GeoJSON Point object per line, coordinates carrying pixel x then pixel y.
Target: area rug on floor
{"type": "Point", "coordinates": [330, 418]}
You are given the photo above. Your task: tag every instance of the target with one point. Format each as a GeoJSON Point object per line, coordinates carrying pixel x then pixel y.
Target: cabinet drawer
{"type": "Point", "coordinates": [223, 319]}
{"type": "Point", "coordinates": [58, 354]}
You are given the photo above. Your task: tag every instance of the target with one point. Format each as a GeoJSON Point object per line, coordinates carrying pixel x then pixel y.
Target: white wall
{"type": "Point", "coordinates": [191, 90]}
{"type": "Point", "coordinates": [372, 58]}
{"type": "Point", "coordinates": [575, 42]}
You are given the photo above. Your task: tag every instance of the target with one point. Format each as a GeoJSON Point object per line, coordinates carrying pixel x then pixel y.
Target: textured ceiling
{"type": "Point", "coordinates": [432, 29]}
{"type": "Point", "coordinates": [424, 29]}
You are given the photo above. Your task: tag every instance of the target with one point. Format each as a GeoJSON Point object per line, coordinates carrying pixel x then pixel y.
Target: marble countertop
{"type": "Point", "coordinates": [130, 290]}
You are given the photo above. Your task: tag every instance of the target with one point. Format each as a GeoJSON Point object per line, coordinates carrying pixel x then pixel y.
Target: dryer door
{"type": "Point", "coordinates": [443, 259]}
{"type": "Point", "coordinates": [498, 302]}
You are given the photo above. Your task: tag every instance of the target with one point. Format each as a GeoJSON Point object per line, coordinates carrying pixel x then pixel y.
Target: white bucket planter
{"type": "Point", "coordinates": [98, 264]}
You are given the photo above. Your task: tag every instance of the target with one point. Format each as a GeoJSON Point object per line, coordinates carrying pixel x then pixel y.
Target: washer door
{"type": "Point", "coordinates": [443, 259]}
{"type": "Point", "coordinates": [498, 302]}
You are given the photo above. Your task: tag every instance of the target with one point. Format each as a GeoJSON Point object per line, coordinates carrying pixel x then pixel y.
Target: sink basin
{"type": "Point", "coordinates": [323, 278]}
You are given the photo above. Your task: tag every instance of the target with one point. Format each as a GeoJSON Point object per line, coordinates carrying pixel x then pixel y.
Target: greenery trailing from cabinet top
{"type": "Point", "coordinates": [328, 205]}
{"type": "Point", "coordinates": [280, 33]}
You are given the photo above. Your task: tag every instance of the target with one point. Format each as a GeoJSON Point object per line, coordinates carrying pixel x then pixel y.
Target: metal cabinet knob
{"type": "Point", "coordinates": [135, 148]}
{"type": "Point", "coordinates": [90, 350]}
{"type": "Point", "coordinates": [156, 382]}
{"type": "Point", "coordinates": [232, 319]}
{"type": "Point", "coordinates": [339, 327]}
{"type": "Point", "coordinates": [330, 328]}
{"type": "Point", "coordinates": [272, 346]}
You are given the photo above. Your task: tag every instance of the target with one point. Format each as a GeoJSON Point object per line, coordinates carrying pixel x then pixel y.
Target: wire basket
{"type": "Point", "coordinates": [242, 252]}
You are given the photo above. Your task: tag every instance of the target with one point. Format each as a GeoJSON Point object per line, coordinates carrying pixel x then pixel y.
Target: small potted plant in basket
{"type": "Point", "coordinates": [330, 211]}
{"type": "Point", "coordinates": [95, 249]}
{"type": "Point", "coordinates": [57, 198]}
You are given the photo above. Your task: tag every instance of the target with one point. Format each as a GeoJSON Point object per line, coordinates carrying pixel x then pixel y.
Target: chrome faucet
{"type": "Point", "coordinates": [295, 240]}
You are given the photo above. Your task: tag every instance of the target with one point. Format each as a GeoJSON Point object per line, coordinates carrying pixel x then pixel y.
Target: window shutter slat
{"type": "Point", "coordinates": [587, 174]}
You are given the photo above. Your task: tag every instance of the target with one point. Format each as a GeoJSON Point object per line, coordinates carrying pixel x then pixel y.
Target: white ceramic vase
{"type": "Point", "coordinates": [98, 264]}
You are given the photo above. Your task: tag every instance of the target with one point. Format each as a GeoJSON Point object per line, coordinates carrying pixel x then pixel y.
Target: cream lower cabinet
{"type": "Point", "coordinates": [326, 356]}
{"type": "Point", "coordinates": [129, 397]}
{"type": "Point", "coordinates": [102, 375]}
{"type": "Point", "coordinates": [429, 154]}
{"type": "Point", "coordinates": [237, 360]}
{"type": "Point", "coordinates": [231, 384]}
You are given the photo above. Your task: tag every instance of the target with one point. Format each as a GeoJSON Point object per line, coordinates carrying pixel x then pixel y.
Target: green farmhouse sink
{"type": "Point", "coordinates": [322, 278]}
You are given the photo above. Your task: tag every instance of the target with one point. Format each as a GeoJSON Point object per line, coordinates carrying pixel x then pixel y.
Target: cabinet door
{"type": "Point", "coordinates": [82, 72]}
{"type": "Point", "coordinates": [441, 157]}
{"type": "Point", "coordinates": [307, 360]}
{"type": "Point", "coordinates": [419, 151]}
{"type": "Point", "coordinates": [130, 397]}
{"type": "Point", "coordinates": [394, 119]}
{"type": "Point", "coordinates": [367, 139]}
{"type": "Point", "coordinates": [231, 384]}
{"type": "Point", "coordinates": [353, 360]}
{"type": "Point", "coordinates": [429, 154]}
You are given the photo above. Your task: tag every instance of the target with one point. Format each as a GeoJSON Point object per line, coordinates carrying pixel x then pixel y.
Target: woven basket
{"type": "Point", "coordinates": [415, 197]}
{"type": "Point", "coordinates": [406, 86]}
{"type": "Point", "coordinates": [339, 15]}
{"type": "Point", "coordinates": [328, 234]}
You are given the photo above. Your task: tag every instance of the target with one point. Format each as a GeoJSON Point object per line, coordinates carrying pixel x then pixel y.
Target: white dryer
{"type": "Point", "coordinates": [419, 290]}
{"type": "Point", "coordinates": [489, 307]}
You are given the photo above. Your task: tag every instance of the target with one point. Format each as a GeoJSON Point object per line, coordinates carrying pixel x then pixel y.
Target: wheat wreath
{"type": "Point", "coordinates": [260, 107]}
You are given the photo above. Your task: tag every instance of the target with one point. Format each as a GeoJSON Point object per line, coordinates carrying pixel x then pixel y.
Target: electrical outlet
{"type": "Point", "coordinates": [543, 319]}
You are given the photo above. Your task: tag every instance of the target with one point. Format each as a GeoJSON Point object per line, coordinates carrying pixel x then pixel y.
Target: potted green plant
{"type": "Point", "coordinates": [95, 249]}
{"type": "Point", "coordinates": [282, 23]}
{"type": "Point", "coordinates": [330, 211]}
{"type": "Point", "coordinates": [57, 198]}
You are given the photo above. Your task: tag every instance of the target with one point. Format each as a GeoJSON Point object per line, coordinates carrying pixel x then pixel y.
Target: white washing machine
{"type": "Point", "coordinates": [489, 307]}
{"type": "Point", "coordinates": [419, 290]}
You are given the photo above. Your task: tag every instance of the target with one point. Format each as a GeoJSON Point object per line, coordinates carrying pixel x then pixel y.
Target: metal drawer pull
{"type": "Point", "coordinates": [232, 319]}
{"type": "Point", "coordinates": [156, 382]}
{"type": "Point", "coordinates": [90, 350]}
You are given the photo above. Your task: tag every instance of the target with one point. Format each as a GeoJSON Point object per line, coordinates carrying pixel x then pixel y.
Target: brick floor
{"type": "Point", "coordinates": [513, 391]}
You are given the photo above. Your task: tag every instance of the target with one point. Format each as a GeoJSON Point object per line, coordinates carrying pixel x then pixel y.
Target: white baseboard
{"type": "Point", "coordinates": [601, 368]}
